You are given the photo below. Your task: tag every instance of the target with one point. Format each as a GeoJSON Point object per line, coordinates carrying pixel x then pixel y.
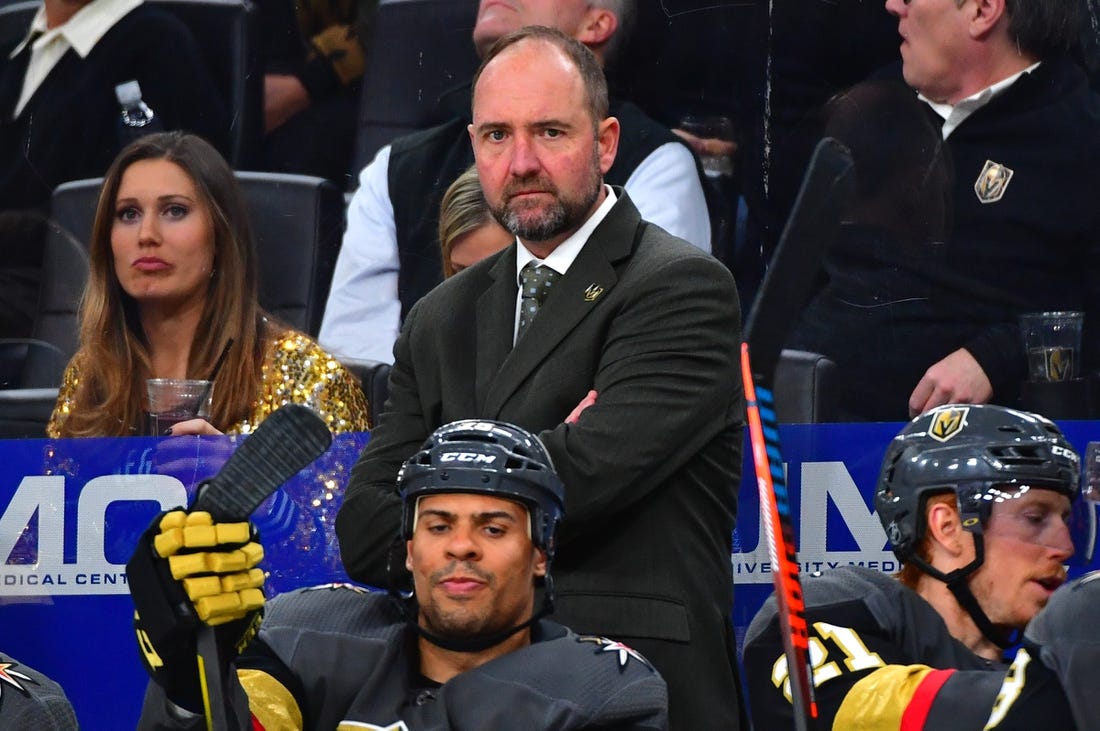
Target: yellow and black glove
{"type": "Point", "coordinates": [186, 571]}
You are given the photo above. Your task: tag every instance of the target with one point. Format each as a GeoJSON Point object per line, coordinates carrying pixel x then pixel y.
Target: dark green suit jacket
{"type": "Point", "coordinates": [651, 470]}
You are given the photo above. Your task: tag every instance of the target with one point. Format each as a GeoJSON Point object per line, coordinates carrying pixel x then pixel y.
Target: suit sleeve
{"type": "Point", "coordinates": [368, 522]}
{"type": "Point", "coordinates": [668, 385]}
{"type": "Point", "coordinates": [997, 350]}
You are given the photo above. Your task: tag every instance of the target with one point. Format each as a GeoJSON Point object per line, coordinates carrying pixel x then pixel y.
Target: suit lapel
{"type": "Point", "coordinates": [496, 314]}
{"type": "Point", "coordinates": [588, 282]}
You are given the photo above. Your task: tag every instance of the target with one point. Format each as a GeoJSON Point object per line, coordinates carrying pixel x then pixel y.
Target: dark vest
{"type": "Point", "coordinates": [423, 164]}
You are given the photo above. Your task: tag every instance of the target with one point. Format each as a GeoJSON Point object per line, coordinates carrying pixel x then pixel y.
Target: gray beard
{"type": "Point", "coordinates": [564, 214]}
{"type": "Point", "coordinates": [555, 221]}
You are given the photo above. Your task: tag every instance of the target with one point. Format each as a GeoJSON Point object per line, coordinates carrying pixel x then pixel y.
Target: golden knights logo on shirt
{"type": "Point", "coordinates": [992, 182]}
{"type": "Point", "coordinates": [947, 423]}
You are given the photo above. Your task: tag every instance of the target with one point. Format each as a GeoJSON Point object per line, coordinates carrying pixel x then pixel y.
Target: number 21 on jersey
{"type": "Point", "coordinates": [847, 650]}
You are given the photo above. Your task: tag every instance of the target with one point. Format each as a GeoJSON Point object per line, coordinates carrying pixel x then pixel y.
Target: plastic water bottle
{"type": "Point", "coordinates": [137, 119]}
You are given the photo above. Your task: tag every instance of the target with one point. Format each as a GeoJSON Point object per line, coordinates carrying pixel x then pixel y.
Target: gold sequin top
{"type": "Point", "coordinates": [295, 370]}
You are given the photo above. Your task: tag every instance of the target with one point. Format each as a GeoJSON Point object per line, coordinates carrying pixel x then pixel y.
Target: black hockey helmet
{"type": "Point", "coordinates": [491, 458]}
{"type": "Point", "coordinates": [979, 452]}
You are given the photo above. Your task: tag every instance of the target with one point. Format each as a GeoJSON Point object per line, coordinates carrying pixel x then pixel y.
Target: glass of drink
{"type": "Point", "coordinates": [711, 128]}
{"type": "Point", "coordinates": [172, 400]}
{"type": "Point", "coordinates": [1052, 341]}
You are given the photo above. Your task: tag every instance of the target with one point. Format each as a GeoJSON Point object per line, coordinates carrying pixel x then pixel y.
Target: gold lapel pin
{"type": "Point", "coordinates": [593, 292]}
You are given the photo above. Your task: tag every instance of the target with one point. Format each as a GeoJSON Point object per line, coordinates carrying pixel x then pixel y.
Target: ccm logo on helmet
{"type": "Point", "coordinates": [1063, 452]}
{"type": "Point", "coordinates": [467, 457]}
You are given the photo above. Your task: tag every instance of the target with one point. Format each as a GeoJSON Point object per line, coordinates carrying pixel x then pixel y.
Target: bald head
{"type": "Point", "coordinates": [572, 52]}
{"type": "Point", "coordinates": [595, 23]}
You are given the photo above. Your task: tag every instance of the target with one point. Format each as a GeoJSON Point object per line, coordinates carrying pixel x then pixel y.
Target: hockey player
{"type": "Point", "coordinates": [481, 505]}
{"type": "Point", "coordinates": [977, 503]}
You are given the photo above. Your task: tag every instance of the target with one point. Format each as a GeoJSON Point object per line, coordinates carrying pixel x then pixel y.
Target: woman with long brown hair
{"type": "Point", "coordinates": [173, 286]}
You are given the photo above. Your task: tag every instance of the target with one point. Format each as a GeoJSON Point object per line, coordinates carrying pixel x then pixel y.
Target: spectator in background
{"type": "Point", "coordinates": [869, 316]}
{"type": "Point", "coordinates": [651, 460]}
{"type": "Point", "coordinates": [390, 255]}
{"type": "Point", "coordinates": [59, 117]}
{"type": "Point", "coordinates": [30, 700]}
{"type": "Point", "coordinates": [172, 286]}
{"type": "Point", "coordinates": [467, 230]}
{"type": "Point", "coordinates": [1023, 131]}
{"type": "Point", "coordinates": [314, 65]}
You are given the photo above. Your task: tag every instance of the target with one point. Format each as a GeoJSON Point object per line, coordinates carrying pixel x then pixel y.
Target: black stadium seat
{"type": "Point", "coordinates": [64, 272]}
{"type": "Point", "coordinates": [298, 222]}
{"type": "Point", "coordinates": [226, 31]}
{"type": "Point", "coordinates": [374, 376]}
{"type": "Point", "coordinates": [805, 388]}
{"type": "Point", "coordinates": [30, 363]}
{"type": "Point", "coordinates": [24, 412]}
{"type": "Point", "coordinates": [417, 50]}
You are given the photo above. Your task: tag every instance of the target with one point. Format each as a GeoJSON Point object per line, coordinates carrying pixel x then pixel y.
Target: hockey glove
{"type": "Point", "coordinates": [185, 571]}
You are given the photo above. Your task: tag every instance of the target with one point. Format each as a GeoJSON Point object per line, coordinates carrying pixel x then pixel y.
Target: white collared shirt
{"type": "Point", "coordinates": [80, 33]}
{"type": "Point", "coordinates": [563, 256]}
{"type": "Point", "coordinates": [954, 114]}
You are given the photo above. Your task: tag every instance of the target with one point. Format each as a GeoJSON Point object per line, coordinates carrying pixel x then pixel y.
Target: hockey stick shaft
{"type": "Point", "coordinates": [814, 221]}
{"type": "Point", "coordinates": [775, 509]}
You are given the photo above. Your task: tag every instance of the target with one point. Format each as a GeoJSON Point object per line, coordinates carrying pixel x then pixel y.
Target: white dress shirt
{"type": "Point", "coordinates": [954, 114]}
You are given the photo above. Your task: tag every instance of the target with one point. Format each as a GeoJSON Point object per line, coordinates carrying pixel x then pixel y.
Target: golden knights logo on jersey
{"type": "Point", "coordinates": [992, 182]}
{"type": "Point", "coordinates": [947, 423]}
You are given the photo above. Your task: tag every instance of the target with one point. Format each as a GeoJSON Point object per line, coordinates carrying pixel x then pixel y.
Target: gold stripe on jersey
{"type": "Point", "coordinates": [878, 701]}
{"type": "Point", "coordinates": [270, 702]}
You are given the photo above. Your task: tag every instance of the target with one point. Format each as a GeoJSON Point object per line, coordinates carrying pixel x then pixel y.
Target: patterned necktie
{"type": "Point", "coordinates": [536, 282]}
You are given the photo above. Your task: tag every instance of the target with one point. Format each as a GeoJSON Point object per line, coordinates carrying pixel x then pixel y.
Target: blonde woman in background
{"type": "Point", "coordinates": [467, 230]}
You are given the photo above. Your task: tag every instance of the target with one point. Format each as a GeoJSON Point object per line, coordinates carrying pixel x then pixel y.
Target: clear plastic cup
{"type": "Point", "coordinates": [1052, 341]}
{"type": "Point", "coordinates": [172, 400]}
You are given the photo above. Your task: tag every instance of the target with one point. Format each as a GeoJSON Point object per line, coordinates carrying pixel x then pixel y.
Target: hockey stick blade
{"type": "Point", "coordinates": [285, 442]}
{"type": "Point", "coordinates": [813, 223]}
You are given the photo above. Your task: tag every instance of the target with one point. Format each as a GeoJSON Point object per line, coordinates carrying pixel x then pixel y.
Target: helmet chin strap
{"type": "Point", "coordinates": [479, 643]}
{"type": "Point", "coordinates": [959, 587]}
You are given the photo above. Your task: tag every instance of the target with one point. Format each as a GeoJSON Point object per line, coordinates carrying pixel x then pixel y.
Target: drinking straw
{"type": "Point", "coordinates": [213, 374]}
